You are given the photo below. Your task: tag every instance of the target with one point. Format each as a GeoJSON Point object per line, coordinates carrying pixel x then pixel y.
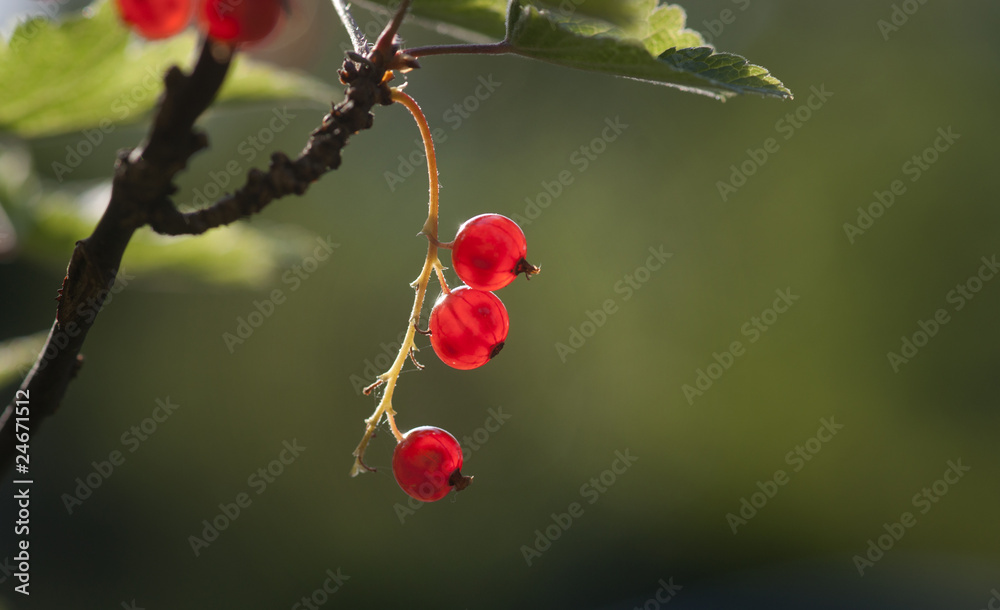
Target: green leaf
{"type": "Point", "coordinates": [237, 255]}
{"type": "Point", "coordinates": [664, 29]}
{"type": "Point", "coordinates": [639, 39]}
{"type": "Point", "coordinates": [49, 222]}
{"type": "Point", "coordinates": [254, 81]}
{"type": "Point", "coordinates": [622, 13]}
{"type": "Point", "coordinates": [88, 70]}
{"type": "Point", "coordinates": [475, 20]}
{"type": "Point", "coordinates": [654, 56]}
{"type": "Point", "coordinates": [485, 20]}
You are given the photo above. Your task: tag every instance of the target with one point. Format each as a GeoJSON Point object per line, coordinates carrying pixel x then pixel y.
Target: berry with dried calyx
{"type": "Point", "coordinates": [489, 252]}
{"type": "Point", "coordinates": [427, 464]}
{"type": "Point", "coordinates": [468, 327]}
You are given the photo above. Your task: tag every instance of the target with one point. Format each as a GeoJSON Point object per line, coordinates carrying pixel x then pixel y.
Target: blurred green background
{"type": "Point", "coordinates": [655, 186]}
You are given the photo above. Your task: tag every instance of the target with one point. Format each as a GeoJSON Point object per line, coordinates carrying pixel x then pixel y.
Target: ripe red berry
{"type": "Point", "coordinates": [427, 464]}
{"type": "Point", "coordinates": [239, 21]}
{"type": "Point", "coordinates": [468, 327]}
{"type": "Point", "coordinates": [155, 19]}
{"type": "Point", "coordinates": [488, 252]}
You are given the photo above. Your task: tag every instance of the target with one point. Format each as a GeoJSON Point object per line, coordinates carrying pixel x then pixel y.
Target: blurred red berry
{"type": "Point", "coordinates": [155, 19]}
{"type": "Point", "coordinates": [239, 21]}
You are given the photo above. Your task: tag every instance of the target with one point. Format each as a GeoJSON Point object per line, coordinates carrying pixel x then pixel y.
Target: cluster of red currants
{"type": "Point", "coordinates": [469, 324]}
{"type": "Point", "coordinates": [468, 327]}
{"type": "Point", "coordinates": [229, 21]}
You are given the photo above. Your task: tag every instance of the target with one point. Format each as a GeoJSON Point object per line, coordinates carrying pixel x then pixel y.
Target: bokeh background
{"type": "Point", "coordinates": [664, 518]}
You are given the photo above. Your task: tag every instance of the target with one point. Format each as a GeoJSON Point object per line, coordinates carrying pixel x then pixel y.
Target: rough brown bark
{"type": "Point", "coordinates": [141, 195]}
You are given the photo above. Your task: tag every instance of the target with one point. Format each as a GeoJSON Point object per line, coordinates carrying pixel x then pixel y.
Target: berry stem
{"type": "Point", "coordinates": [431, 265]}
{"type": "Point", "coordinates": [440, 274]}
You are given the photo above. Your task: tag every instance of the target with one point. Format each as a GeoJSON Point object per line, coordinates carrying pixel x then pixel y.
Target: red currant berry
{"type": "Point", "coordinates": [427, 464]}
{"type": "Point", "coordinates": [488, 252]}
{"type": "Point", "coordinates": [155, 19]}
{"type": "Point", "coordinates": [239, 21]}
{"type": "Point", "coordinates": [468, 327]}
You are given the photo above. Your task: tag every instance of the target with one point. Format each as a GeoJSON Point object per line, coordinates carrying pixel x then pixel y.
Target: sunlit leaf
{"type": "Point", "coordinates": [639, 39]}
{"type": "Point", "coordinates": [89, 72]}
